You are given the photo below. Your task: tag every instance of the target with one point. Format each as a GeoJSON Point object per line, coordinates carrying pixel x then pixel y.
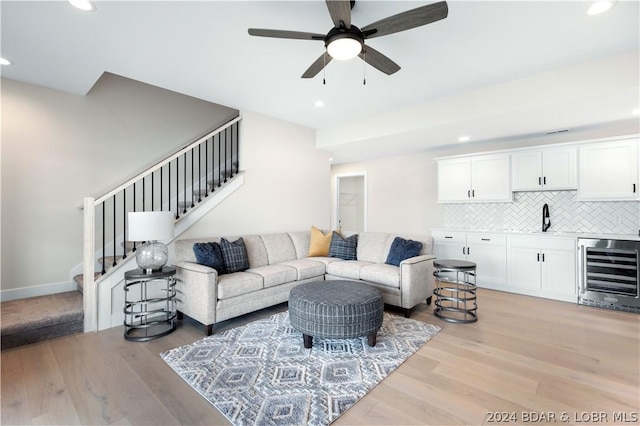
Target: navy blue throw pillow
{"type": "Point", "coordinates": [402, 249]}
{"type": "Point", "coordinates": [210, 254]}
{"type": "Point", "coordinates": [344, 248]}
{"type": "Point", "coordinates": [234, 255]}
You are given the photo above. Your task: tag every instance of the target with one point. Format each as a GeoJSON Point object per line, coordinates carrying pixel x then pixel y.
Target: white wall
{"type": "Point", "coordinates": [402, 190]}
{"type": "Point", "coordinates": [286, 183]}
{"type": "Point", "coordinates": [58, 148]}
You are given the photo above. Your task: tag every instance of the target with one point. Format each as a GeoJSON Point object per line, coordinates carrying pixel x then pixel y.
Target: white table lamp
{"type": "Point", "coordinates": [151, 227]}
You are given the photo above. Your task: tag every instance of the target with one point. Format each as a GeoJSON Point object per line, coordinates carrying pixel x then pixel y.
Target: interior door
{"type": "Point", "coordinates": [351, 204]}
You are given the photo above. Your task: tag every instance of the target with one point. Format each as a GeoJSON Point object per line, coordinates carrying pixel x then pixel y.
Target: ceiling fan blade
{"type": "Point", "coordinates": [298, 35]}
{"type": "Point", "coordinates": [407, 20]}
{"type": "Point", "coordinates": [340, 11]}
{"type": "Point", "coordinates": [378, 60]}
{"type": "Point", "coordinates": [317, 66]}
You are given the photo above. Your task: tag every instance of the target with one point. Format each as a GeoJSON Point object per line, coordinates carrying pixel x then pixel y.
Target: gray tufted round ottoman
{"type": "Point", "coordinates": [336, 309]}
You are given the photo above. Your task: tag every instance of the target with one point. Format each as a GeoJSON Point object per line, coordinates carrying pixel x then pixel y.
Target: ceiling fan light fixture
{"type": "Point", "coordinates": [344, 48]}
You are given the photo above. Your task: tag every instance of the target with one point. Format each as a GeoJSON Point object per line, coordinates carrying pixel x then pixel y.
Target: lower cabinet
{"type": "Point", "coordinates": [536, 265]}
{"type": "Point", "coordinates": [487, 251]}
{"type": "Point", "coordinates": [543, 266]}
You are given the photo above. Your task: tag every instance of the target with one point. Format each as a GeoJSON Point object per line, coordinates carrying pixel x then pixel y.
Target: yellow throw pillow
{"type": "Point", "coordinates": [319, 245]}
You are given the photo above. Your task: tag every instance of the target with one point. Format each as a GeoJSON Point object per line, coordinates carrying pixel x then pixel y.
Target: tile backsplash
{"type": "Point", "coordinates": [566, 213]}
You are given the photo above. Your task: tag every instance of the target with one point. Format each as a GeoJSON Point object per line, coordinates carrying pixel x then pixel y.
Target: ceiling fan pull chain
{"type": "Point", "coordinates": [324, 66]}
{"type": "Point", "coordinates": [364, 66]}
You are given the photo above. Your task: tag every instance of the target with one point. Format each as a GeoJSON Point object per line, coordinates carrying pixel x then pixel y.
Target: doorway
{"type": "Point", "coordinates": [351, 203]}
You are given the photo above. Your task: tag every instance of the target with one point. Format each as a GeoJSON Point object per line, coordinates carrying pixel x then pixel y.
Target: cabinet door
{"type": "Point", "coordinates": [608, 171]}
{"type": "Point", "coordinates": [559, 272]}
{"type": "Point", "coordinates": [489, 253]}
{"type": "Point", "coordinates": [524, 268]}
{"type": "Point", "coordinates": [454, 180]}
{"type": "Point", "coordinates": [559, 168]}
{"type": "Point", "coordinates": [491, 178]}
{"type": "Point", "coordinates": [526, 171]}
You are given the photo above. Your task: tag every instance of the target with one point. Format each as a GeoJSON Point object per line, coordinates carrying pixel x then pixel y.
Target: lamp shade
{"type": "Point", "coordinates": [150, 226]}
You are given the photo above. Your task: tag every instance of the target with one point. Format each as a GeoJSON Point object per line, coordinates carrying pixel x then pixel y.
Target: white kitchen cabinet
{"type": "Point", "coordinates": [608, 171]}
{"type": "Point", "coordinates": [543, 266]}
{"type": "Point", "coordinates": [488, 251]}
{"type": "Point", "coordinates": [544, 169]}
{"type": "Point", "coordinates": [481, 178]}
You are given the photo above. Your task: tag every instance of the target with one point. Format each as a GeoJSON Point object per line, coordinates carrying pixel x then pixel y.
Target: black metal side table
{"type": "Point", "coordinates": [149, 304]}
{"type": "Point", "coordinates": [455, 290]}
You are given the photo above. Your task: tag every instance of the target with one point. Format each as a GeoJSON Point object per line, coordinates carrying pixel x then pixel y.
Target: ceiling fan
{"type": "Point", "coordinates": [345, 41]}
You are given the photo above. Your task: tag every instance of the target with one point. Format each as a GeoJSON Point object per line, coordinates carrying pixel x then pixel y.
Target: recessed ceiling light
{"type": "Point", "coordinates": [84, 5]}
{"type": "Point", "coordinates": [319, 104]}
{"type": "Point", "coordinates": [599, 7]}
{"type": "Point", "coordinates": [464, 138]}
{"type": "Point", "coordinates": [4, 61]}
{"type": "Point", "coordinates": [636, 111]}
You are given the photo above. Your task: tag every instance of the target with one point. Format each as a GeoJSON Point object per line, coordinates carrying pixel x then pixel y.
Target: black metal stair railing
{"type": "Point", "coordinates": [177, 175]}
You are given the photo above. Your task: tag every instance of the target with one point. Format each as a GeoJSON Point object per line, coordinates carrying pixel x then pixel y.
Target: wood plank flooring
{"type": "Point", "coordinates": [526, 360]}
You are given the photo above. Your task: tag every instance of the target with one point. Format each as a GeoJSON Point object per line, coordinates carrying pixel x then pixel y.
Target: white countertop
{"type": "Point", "coordinates": [629, 237]}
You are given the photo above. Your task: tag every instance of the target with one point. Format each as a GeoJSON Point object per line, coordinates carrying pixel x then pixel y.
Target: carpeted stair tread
{"type": "Point", "coordinates": [40, 318]}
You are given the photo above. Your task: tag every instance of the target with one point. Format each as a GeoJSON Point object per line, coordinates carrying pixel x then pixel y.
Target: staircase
{"type": "Point", "coordinates": [197, 185]}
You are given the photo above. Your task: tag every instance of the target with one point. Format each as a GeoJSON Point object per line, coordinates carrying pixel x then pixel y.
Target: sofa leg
{"type": "Point", "coordinates": [208, 329]}
{"type": "Point", "coordinates": [407, 312]}
{"type": "Point", "coordinates": [179, 315]}
{"type": "Point", "coordinates": [429, 300]}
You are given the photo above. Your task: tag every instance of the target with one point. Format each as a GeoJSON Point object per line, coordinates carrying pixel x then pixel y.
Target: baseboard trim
{"type": "Point", "coordinates": [40, 290]}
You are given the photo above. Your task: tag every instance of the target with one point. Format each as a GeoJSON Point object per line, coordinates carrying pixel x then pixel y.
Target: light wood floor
{"type": "Point", "coordinates": [525, 358]}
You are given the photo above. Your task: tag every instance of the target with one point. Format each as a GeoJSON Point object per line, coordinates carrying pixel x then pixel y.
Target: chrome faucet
{"type": "Point", "coordinates": [546, 222]}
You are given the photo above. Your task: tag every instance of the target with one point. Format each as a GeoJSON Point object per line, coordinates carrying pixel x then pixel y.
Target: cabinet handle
{"type": "Point", "coordinates": [469, 193]}
{"type": "Point", "coordinates": [468, 250]}
{"type": "Point", "coordinates": [464, 250]}
{"type": "Point", "coordinates": [539, 180]}
{"type": "Point", "coordinates": [538, 257]}
{"type": "Point", "coordinates": [446, 236]}
{"type": "Point", "coordinates": [486, 239]}
{"type": "Point", "coordinates": [634, 188]}
{"type": "Point", "coordinates": [543, 257]}
{"type": "Point", "coordinates": [544, 180]}
{"type": "Point", "coordinates": [473, 192]}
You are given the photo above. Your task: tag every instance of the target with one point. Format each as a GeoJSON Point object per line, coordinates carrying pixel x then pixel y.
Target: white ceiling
{"type": "Point", "coordinates": [495, 70]}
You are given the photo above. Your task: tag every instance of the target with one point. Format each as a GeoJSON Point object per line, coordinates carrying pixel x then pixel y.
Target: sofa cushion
{"type": "Point", "coordinates": [210, 254]}
{"type": "Point", "coordinates": [306, 268]}
{"type": "Point", "coordinates": [343, 248]}
{"type": "Point", "coordinates": [381, 273]}
{"type": "Point", "coordinates": [238, 283]}
{"type": "Point", "coordinates": [319, 242]}
{"type": "Point", "coordinates": [273, 275]}
{"type": "Point", "coordinates": [235, 255]}
{"type": "Point", "coordinates": [279, 247]}
{"type": "Point", "coordinates": [372, 247]}
{"type": "Point", "coordinates": [402, 249]}
{"type": "Point", "coordinates": [301, 240]}
{"type": "Point", "coordinates": [347, 269]}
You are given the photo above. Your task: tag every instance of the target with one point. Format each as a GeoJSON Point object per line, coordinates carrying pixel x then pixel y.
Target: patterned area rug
{"type": "Point", "coordinates": [261, 373]}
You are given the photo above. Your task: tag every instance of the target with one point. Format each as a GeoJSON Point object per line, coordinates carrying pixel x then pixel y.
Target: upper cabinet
{"type": "Point", "coordinates": [480, 178]}
{"type": "Point", "coordinates": [544, 169]}
{"type": "Point", "coordinates": [608, 171]}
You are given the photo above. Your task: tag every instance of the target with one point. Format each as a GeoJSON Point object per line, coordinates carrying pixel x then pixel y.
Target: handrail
{"type": "Point", "coordinates": [167, 160]}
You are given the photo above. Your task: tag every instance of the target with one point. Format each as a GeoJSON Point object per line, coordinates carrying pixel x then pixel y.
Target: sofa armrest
{"type": "Point", "coordinates": [416, 280]}
{"type": "Point", "coordinates": [197, 291]}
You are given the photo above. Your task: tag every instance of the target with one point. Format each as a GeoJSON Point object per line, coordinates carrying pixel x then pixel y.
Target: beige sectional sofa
{"type": "Point", "coordinates": [278, 262]}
